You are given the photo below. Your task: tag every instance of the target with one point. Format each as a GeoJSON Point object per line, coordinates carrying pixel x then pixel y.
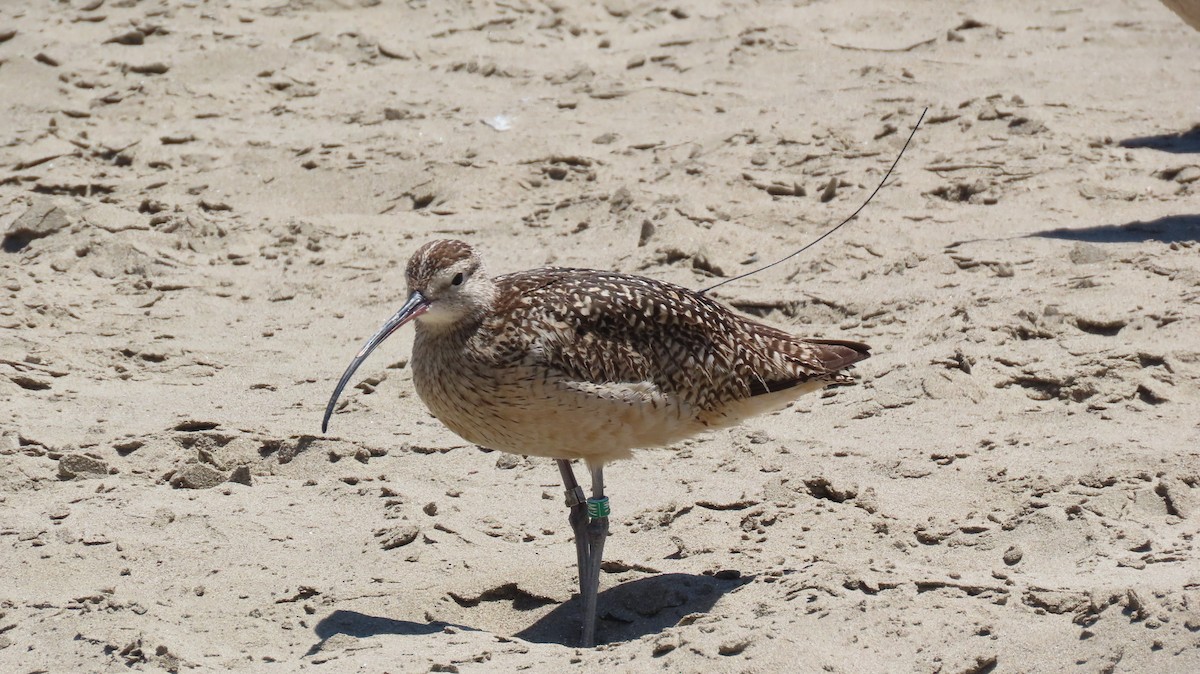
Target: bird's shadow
{"type": "Point", "coordinates": [1169, 229]}
{"type": "Point", "coordinates": [635, 608]}
{"type": "Point", "coordinates": [1184, 142]}
{"type": "Point", "coordinates": [626, 612]}
{"type": "Point", "coordinates": [361, 626]}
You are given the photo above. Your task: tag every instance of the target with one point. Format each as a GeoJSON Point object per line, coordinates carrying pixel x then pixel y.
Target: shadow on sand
{"type": "Point", "coordinates": [1184, 142]}
{"type": "Point", "coordinates": [1166, 230]}
{"type": "Point", "coordinates": [634, 609]}
{"type": "Point", "coordinates": [628, 611]}
{"type": "Point", "coordinates": [361, 626]}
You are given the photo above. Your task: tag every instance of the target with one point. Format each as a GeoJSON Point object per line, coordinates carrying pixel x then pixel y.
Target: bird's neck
{"type": "Point", "coordinates": [451, 332]}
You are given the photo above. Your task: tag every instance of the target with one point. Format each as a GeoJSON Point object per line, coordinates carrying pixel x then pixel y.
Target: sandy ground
{"type": "Point", "coordinates": [208, 206]}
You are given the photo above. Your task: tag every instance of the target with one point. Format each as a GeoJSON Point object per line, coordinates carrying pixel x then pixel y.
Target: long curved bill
{"type": "Point", "coordinates": [415, 306]}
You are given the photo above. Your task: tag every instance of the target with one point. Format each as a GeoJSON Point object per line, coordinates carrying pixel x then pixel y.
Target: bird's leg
{"type": "Point", "coordinates": [597, 532]}
{"type": "Point", "coordinates": [589, 521]}
{"type": "Point", "coordinates": [579, 523]}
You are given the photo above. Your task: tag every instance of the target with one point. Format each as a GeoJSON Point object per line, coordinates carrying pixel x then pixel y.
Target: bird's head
{"type": "Point", "coordinates": [447, 288]}
{"type": "Point", "coordinates": [447, 276]}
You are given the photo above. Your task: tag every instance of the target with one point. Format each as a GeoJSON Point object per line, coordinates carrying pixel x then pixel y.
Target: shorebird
{"type": "Point", "coordinates": [589, 365]}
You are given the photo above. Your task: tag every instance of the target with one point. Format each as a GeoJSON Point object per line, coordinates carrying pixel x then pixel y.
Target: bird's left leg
{"type": "Point", "coordinates": [579, 521]}
{"type": "Point", "coordinates": [597, 532]}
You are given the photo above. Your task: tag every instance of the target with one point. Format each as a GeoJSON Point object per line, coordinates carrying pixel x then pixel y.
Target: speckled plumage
{"type": "Point", "coordinates": [577, 363]}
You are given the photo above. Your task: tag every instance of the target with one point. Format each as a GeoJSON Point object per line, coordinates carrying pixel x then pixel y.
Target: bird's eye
{"type": "Point", "coordinates": [457, 280]}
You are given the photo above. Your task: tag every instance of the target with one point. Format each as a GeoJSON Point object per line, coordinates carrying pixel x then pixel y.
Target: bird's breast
{"type": "Point", "coordinates": [532, 410]}
{"type": "Point", "coordinates": [461, 392]}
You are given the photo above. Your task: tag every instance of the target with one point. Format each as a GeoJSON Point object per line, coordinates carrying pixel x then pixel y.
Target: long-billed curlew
{"type": "Point", "coordinates": [582, 364]}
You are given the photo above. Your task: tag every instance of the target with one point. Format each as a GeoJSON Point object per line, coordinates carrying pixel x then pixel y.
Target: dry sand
{"type": "Point", "coordinates": [209, 205]}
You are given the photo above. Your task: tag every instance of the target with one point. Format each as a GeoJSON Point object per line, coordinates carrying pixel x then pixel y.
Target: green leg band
{"type": "Point", "coordinates": [598, 507]}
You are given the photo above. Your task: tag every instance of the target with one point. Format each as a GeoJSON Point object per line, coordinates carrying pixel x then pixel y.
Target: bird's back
{"type": "Point", "coordinates": [603, 327]}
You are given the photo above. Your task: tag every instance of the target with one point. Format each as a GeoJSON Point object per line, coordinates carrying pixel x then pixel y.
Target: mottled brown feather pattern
{"type": "Point", "coordinates": [606, 327]}
{"type": "Point", "coordinates": [595, 350]}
